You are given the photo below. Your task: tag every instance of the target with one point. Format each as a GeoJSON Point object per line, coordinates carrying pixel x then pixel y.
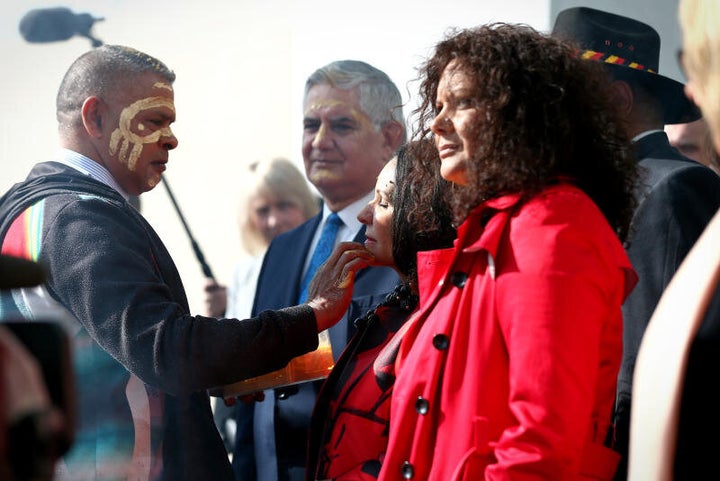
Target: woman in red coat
{"type": "Point", "coordinates": [509, 370]}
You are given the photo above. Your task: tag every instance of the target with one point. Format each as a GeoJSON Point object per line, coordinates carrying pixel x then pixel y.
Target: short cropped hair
{"type": "Point", "coordinates": [100, 72]}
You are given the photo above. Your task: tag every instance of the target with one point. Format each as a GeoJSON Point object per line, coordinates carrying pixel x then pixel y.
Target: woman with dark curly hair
{"type": "Point", "coordinates": [349, 428]}
{"type": "Point", "coordinates": [509, 369]}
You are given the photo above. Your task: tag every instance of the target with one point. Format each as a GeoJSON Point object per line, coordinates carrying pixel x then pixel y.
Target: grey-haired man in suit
{"type": "Point", "coordinates": [352, 125]}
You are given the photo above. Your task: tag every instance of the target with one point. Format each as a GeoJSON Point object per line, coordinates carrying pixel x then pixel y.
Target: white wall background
{"type": "Point", "coordinates": [241, 67]}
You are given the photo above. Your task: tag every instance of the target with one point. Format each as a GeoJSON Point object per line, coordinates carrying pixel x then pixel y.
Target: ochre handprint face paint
{"type": "Point", "coordinates": [140, 137]}
{"type": "Point", "coordinates": [133, 133]}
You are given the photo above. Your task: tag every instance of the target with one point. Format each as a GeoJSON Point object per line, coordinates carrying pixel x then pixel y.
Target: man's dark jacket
{"type": "Point", "coordinates": [676, 200]}
{"type": "Point", "coordinates": [107, 266]}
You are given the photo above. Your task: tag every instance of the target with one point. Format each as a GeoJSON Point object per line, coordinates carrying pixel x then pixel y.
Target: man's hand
{"type": "Point", "coordinates": [215, 299]}
{"type": "Point", "coordinates": [331, 289]}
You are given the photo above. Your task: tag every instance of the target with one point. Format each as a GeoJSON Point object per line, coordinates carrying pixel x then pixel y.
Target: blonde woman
{"type": "Point", "coordinates": [701, 59]}
{"type": "Point", "coordinates": [276, 198]}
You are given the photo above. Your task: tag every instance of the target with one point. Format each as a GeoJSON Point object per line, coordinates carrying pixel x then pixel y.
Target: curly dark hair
{"type": "Point", "coordinates": [422, 217]}
{"type": "Point", "coordinates": [549, 117]}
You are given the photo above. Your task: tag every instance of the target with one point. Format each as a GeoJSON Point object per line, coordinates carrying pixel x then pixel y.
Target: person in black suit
{"type": "Point", "coordinates": [352, 124]}
{"type": "Point", "coordinates": [677, 197]}
{"type": "Point", "coordinates": [675, 400]}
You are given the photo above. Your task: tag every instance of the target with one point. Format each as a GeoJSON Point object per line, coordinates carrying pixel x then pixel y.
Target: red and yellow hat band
{"type": "Point", "coordinates": [612, 59]}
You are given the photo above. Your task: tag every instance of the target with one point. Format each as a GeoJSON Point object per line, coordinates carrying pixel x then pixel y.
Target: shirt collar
{"type": "Point", "coordinates": [645, 134]}
{"type": "Point", "coordinates": [349, 214]}
{"type": "Point", "coordinates": [89, 167]}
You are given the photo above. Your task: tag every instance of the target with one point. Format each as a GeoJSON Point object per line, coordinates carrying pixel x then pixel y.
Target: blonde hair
{"type": "Point", "coordinates": [700, 23]}
{"type": "Point", "coordinates": [277, 177]}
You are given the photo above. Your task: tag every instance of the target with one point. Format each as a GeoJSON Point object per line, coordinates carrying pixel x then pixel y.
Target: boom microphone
{"type": "Point", "coordinates": [44, 25]}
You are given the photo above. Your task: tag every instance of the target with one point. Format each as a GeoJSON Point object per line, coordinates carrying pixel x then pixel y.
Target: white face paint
{"type": "Point", "coordinates": [163, 85]}
{"type": "Point", "coordinates": [129, 143]}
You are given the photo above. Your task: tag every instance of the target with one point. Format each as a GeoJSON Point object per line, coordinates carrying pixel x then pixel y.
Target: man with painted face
{"type": "Point", "coordinates": [142, 362]}
{"type": "Point", "coordinates": [352, 125]}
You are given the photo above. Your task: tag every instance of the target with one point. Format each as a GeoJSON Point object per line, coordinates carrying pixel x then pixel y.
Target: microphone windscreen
{"type": "Point", "coordinates": [48, 25]}
{"type": "Point", "coordinates": [16, 272]}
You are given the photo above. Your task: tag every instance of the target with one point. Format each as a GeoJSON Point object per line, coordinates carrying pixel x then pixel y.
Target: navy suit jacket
{"type": "Point", "coordinates": [676, 200]}
{"type": "Point", "coordinates": [266, 450]}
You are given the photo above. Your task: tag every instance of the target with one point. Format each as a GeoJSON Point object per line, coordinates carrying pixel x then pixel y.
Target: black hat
{"type": "Point", "coordinates": [624, 43]}
{"type": "Point", "coordinates": [16, 272]}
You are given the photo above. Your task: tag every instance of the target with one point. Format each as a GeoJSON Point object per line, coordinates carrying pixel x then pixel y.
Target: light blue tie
{"type": "Point", "coordinates": [322, 252]}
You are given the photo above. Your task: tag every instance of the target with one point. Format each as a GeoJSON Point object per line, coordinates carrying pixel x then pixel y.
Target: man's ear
{"type": "Point", "coordinates": [93, 114]}
{"type": "Point", "coordinates": [623, 97]}
{"type": "Point", "coordinates": [394, 135]}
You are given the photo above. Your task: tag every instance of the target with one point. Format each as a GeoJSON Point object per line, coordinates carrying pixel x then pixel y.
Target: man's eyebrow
{"type": "Point", "coordinates": [333, 120]}
{"type": "Point", "coordinates": [163, 115]}
{"type": "Point", "coordinates": [343, 118]}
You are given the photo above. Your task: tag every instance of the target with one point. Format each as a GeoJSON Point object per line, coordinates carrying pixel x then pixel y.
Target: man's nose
{"type": "Point", "coordinates": [323, 137]}
{"type": "Point", "coordinates": [168, 139]}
